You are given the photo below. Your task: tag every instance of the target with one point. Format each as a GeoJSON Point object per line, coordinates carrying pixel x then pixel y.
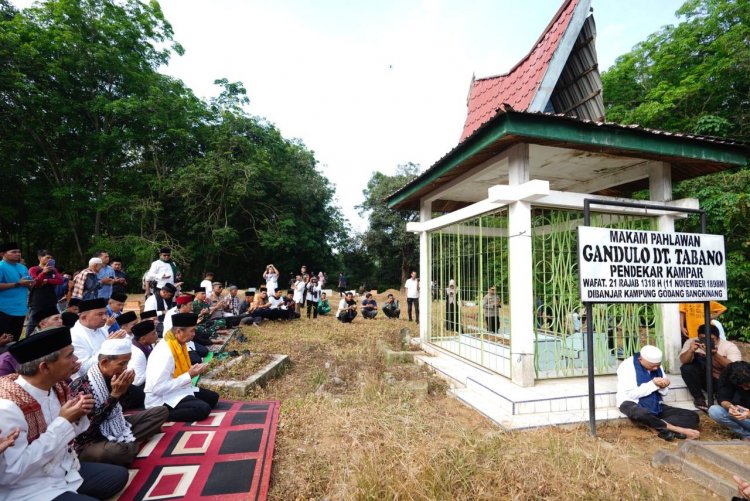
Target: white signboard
{"type": "Point", "coordinates": [631, 266]}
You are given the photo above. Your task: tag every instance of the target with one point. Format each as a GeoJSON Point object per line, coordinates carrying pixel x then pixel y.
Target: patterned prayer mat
{"type": "Point", "coordinates": [227, 456]}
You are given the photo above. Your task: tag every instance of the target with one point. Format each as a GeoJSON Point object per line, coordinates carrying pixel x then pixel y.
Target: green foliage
{"type": "Point", "coordinates": [103, 151]}
{"type": "Point", "coordinates": [693, 78]}
{"type": "Point", "coordinates": [726, 198]}
{"type": "Point", "coordinates": [393, 251]}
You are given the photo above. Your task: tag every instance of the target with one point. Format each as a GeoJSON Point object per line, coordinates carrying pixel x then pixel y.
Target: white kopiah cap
{"type": "Point", "coordinates": [651, 354]}
{"type": "Point", "coordinates": [116, 347]}
{"type": "Point", "coordinates": [95, 260]}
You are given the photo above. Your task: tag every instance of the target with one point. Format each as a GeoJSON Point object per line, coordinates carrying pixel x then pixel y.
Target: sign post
{"type": "Point", "coordinates": [634, 266]}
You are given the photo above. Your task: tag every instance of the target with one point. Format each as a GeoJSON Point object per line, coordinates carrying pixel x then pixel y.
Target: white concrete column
{"type": "Point", "coordinates": [425, 256]}
{"type": "Point", "coordinates": [520, 273]}
{"type": "Point", "coordinates": [660, 190]}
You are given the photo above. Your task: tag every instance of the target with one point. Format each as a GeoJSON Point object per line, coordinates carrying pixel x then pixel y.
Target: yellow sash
{"type": "Point", "coordinates": [179, 353]}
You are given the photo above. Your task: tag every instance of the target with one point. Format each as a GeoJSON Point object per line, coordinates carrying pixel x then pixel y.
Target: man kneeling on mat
{"type": "Point", "coordinates": [641, 385]}
{"type": "Point", "coordinates": [112, 437]}
{"type": "Point", "coordinates": [169, 374]}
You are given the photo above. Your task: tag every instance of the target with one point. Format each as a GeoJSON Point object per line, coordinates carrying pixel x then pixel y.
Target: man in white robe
{"type": "Point", "coordinates": [90, 332]}
{"type": "Point", "coordinates": [144, 339]}
{"type": "Point", "coordinates": [41, 464]}
{"type": "Point", "coordinates": [169, 375]}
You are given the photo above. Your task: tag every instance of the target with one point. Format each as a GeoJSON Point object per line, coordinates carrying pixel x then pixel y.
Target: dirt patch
{"type": "Point", "coordinates": [246, 367]}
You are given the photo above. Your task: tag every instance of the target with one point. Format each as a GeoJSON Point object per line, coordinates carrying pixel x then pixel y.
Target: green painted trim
{"type": "Point", "coordinates": [570, 132]}
{"type": "Point", "coordinates": [633, 140]}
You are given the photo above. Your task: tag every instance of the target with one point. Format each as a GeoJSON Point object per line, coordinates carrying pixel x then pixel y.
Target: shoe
{"type": "Point", "coordinates": [700, 404]}
{"type": "Point", "coordinates": [667, 435]}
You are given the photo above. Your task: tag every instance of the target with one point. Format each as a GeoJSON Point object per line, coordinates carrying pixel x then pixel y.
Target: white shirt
{"type": "Point", "coordinates": [317, 290]}
{"type": "Point", "coordinates": [161, 388]}
{"type": "Point", "coordinates": [159, 269]}
{"type": "Point", "coordinates": [46, 467]}
{"type": "Point", "coordinates": [271, 283]}
{"type": "Point", "coordinates": [342, 306]}
{"type": "Point", "coordinates": [151, 304]}
{"type": "Point", "coordinates": [627, 384]}
{"type": "Point", "coordinates": [276, 302]}
{"type": "Point", "coordinates": [168, 318]}
{"type": "Point", "coordinates": [86, 345]}
{"type": "Point", "coordinates": [412, 288]}
{"type": "Point", "coordinates": [299, 291]}
{"type": "Point", "coordinates": [206, 284]}
{"type": "Point", "coordinates": [138, 363]}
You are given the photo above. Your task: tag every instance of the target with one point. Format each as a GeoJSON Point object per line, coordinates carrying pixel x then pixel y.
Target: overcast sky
{"type": "Point", "coordinates": [369, 85]}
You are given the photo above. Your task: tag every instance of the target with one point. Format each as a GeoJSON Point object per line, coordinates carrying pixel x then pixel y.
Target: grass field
{"type": "Point", "coordinates": [353, 428]}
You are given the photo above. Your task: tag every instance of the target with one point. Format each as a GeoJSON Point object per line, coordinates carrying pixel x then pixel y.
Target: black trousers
{"type": "Point", "coordinates": [133, 398]}
{"type": "Point", "coordinates": [392, 313]}
{"type": "Point", "coordinates": [672, 415]}
{"type": "Point", "coordinates": [412, 301]}
{"type": "Point", "coordinates": [694, 375]}
{"type": "Point", "coordinates": [451, 316]}
{"type": "Point", "coordinates": [100, 481]}
{"type": "Point", "coordinates": [312, 307]}
{"type": "Point", "coordinates": [491, 323]}
{"type": "Point", "coordinates": [11, 325]}
{"type": "Point", "coordinates": [347, 316]}
{"type": "Point", "coordinates": [195, 407]}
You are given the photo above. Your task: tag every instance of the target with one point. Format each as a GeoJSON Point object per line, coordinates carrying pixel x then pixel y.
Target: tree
{"type": "Point", "coordinates": [394, 250]}
{"type": "Point", "coordinates": [693, 77]}
{"type": "Point", "coordinates": [103, 151]}
{"type": "Point", "coordinates": [73, 77]}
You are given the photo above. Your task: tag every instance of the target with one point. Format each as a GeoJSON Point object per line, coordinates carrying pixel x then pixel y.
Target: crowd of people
{"type": "Point", "coordinates": [64, 387]}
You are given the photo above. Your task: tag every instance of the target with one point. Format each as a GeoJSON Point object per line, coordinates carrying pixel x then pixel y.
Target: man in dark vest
{"type": "Point", "coordinates": [34, 403]}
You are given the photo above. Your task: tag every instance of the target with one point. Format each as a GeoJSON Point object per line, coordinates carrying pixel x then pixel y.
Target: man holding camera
{"type": "Point", "coordinates": [693, 358]}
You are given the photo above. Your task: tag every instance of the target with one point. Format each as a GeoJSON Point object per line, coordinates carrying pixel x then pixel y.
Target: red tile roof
{"type": "Point", "coordinates": [519, 86]}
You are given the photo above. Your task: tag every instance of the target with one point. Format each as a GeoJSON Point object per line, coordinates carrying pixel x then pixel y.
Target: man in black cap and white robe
{"type": "Point", "coordinates": [169, 374]}
{"type": "Point", "coordinates": [41, 464]}
{"type": "Point", "coordinates": [161, 302]}
{"type": "Point", "coordinates": [90, 332]}
{"type": "Point", "coordinates": [162, 271]}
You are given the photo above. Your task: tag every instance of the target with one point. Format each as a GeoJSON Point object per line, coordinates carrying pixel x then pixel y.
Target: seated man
{"type": "Point", "coordinates": [161, 302]}
{"type": "Point", "coordinates": [291, 305]}
{"type": "Point", "coordinates": [197, 348]}
{"type": "Point", "coordinates": [324, 307]}
{"type": "Point", "coordinates": [693, 358]}
{"type": "Point", "coordinates": [369, 307]}
{"type": "Point", "coordinates": [112, 437]}
{"type": "Point", "coordinates": [245, 303]}
{"type": "Point", "coordinates": [347, 308]}
{"type": "Point", "coordinates": [90, 332]}
{"type": "Point", "coordinates": [114, 309]}
{"type": "Point", "coordinates": [144, 339]}
{"type": "Point", "coordinates": [169, 375]}
{"type": "Point", "coordinates": [126, 321]}
{"type": "Point", "coordinates": [207, 325]}
{"type": "Point", "coordinates": [46, 318]}
{"type": "Point", "coordinates": [391, 308]}
{"type": "Point", "coordinates": [641, 385]}
{"type": "Point", "coordinates": [40, 464]}
{"type": "Point", "coordinates": [734, 400]}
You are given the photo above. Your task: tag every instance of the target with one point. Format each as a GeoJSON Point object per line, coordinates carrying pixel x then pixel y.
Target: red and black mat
{"type": "Point", "coordinates": [227, 456]}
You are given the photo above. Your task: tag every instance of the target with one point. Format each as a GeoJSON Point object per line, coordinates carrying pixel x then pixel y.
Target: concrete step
{"type": "Point", "coordinates": [711, 464]}
{"type": "Point", "coordinates": [548, 402]}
